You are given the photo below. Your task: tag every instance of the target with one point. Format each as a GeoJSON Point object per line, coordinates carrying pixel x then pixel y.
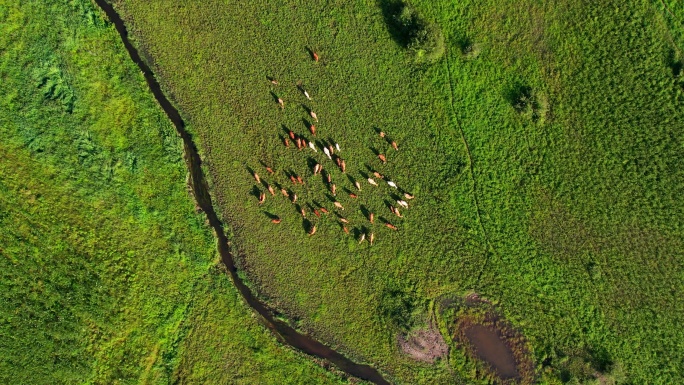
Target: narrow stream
{"type": "Point", "coordinates": [286, 334]}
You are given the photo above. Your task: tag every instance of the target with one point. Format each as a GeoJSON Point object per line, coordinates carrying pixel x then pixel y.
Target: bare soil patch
{"type": "Point", "coordinates": [425, 345]}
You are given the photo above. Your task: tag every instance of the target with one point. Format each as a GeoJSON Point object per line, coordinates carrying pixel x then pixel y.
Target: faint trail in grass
{"type": "Point", "coordinates": [667, 9]}
{"type": "Point", "coordinates": [281, 329]}
{"type": "Point", "coordinates": [452, 96]}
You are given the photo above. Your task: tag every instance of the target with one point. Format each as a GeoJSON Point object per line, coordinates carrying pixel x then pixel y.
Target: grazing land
{"type": "Point", "coordinates": [108, 274]}
{"type": "Point", "coordinates": [543, 148]}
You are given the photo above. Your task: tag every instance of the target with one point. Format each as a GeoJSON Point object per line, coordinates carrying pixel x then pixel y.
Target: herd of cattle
{"type": "Point", "coordinates": [332, 152]}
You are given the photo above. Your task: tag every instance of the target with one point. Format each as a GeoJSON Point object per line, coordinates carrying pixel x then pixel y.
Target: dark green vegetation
{"type": "Point", "coordinates": [574, 135]}
{"type": "Point", "coordinates": [543, 150]}
{"type": "Point", "coordinates": [108, 274]}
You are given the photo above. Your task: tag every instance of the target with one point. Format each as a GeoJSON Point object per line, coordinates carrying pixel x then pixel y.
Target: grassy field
{"type": "Point", "coordinates": [108, 274]}
{"type": "Point", "coordinates": [543, 153]}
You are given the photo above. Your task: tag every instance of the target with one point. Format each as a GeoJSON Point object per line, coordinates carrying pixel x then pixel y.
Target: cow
{"type": "Point", "coordinates": [287, 142]}
{"type": "Point", "coordinates": [371, 181]}
{"type": "Point", "coordinates": [313, 115]}
{"type": "Point", "coordinates": [312, 128]}
{"type": "Point", "coordinates": [408, 196]}
{"type": "Point", "coordinates": [378, 175]}
{"type": "Point", "coordinates": [357, 185]}
{"type": "Point", "coordinates": [281, 103]}
{"type": "Point", "coordinates": [312, 230]}
{"type": "Point", "coordinates": [371, 217]}
{"type": "Point", "coordinates": [315, 56]}
{"type": "Point", "coordinates": [371, 238]}
{"type": "Point", "coordinates": [382, 158]}
{"type": "Point", "coordinates": [391, 226]}
{"type": "Point", "coordinates": [256, 177]}
{"type": "Point", "coordinates": [270, 189]}
{"type": "Point", "coordinates": [275, 220]}
{"type": "Point", "coordinates": [338, 205]}
{"type": "Point", "coordinates": [333, 189]}
{"type": "Point", "coordinates": [262, 198]}
{"type": "Point", "coordinates": [403, 204]}
{"type": "Point", "coordinates": [270, 170]}
{"type": "Point", "coordinates": [392, 184]}
{"type": "Point", "coordinates": [343, 166]}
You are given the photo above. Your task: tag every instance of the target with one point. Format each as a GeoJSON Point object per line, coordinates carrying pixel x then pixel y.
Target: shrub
{"type": "Point", "coordinates": [414, 33]}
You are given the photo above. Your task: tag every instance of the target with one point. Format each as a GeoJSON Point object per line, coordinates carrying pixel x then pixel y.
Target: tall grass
{"type": "Point", "coordinates": [575, 136]}
{"type": "Point", "coordinates": [107, 272]}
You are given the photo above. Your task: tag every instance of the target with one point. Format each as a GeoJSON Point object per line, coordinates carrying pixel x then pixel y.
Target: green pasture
{"type": "Point", "coordinates": [543, 148]}
{"type": "Point", "coordinates": [108, 274]}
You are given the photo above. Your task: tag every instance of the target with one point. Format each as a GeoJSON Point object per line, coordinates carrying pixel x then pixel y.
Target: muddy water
{"type": "Point", "coordinates": [284, 332]}
{"type": "Point", "coordinates": [489, 347]}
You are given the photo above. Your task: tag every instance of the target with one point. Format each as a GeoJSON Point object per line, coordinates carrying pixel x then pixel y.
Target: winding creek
{"type": "Point", "coordinates": [284, 332]}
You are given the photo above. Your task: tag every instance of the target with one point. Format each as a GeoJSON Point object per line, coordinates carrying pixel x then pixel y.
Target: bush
{"type": "Point", "coordinates": [414, 33]}
{"type": "Point", "coordinates": [529, 103]}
